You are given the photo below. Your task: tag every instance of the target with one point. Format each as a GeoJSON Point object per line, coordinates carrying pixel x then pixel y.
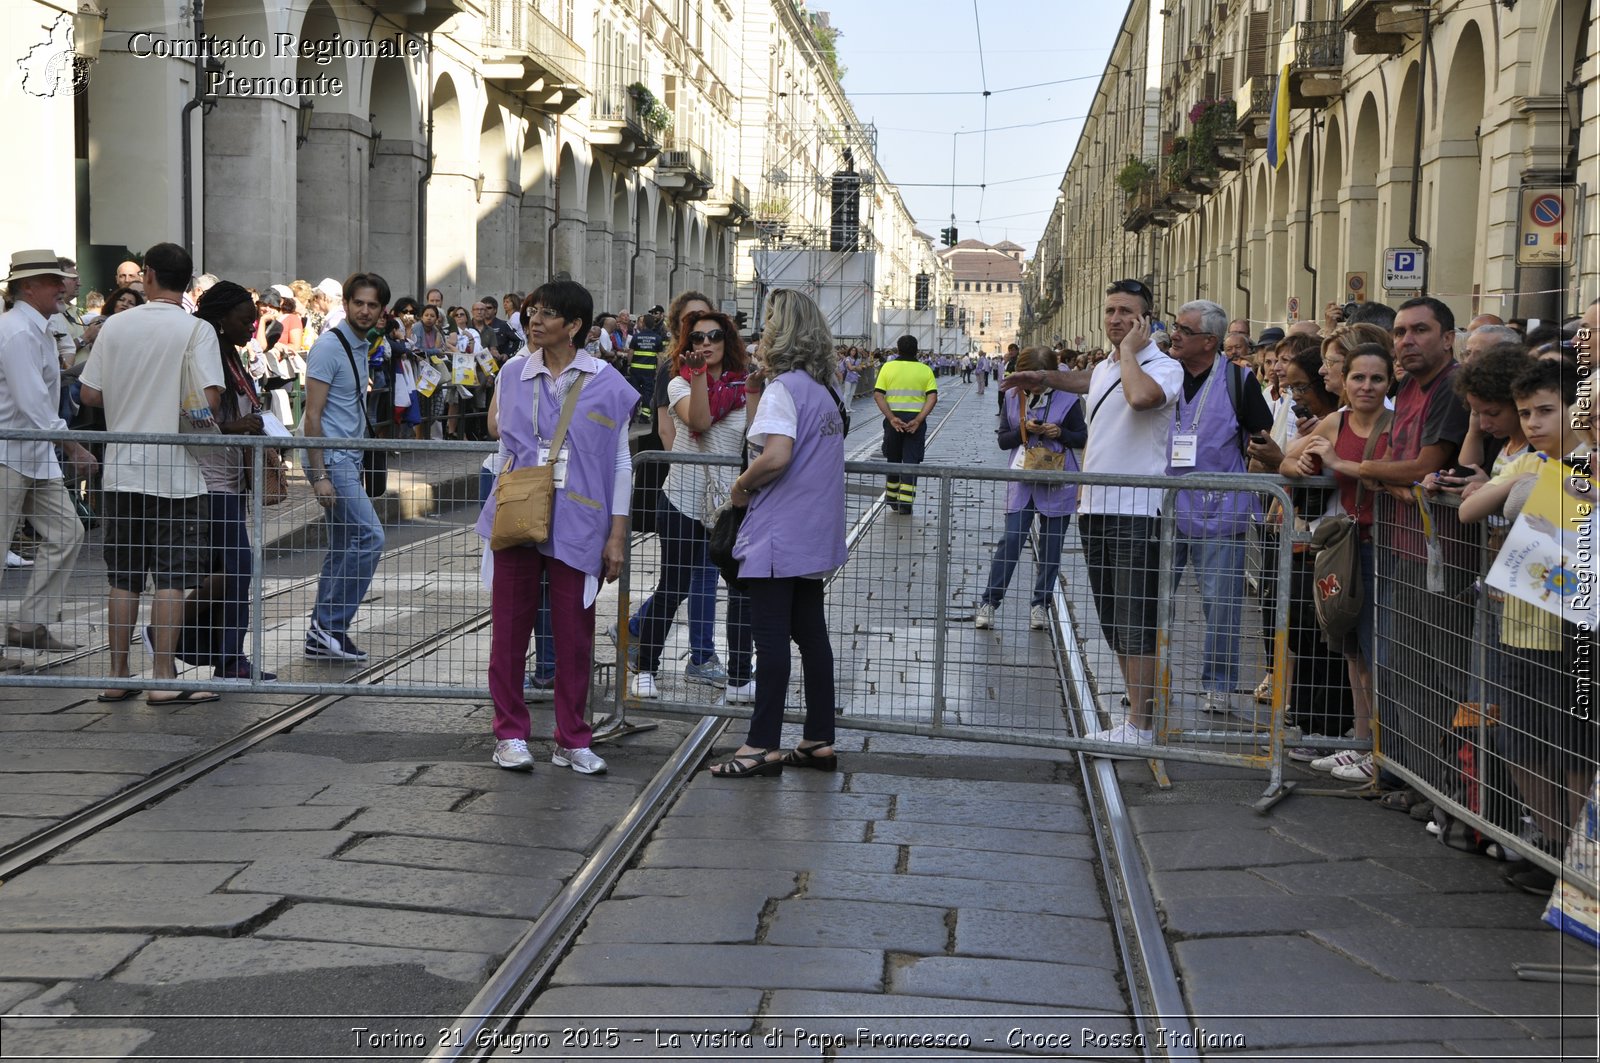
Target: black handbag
{"type": "Point", "coordinates": [374, 463]}
{"type": "Point", "coordinates": [725, 532]}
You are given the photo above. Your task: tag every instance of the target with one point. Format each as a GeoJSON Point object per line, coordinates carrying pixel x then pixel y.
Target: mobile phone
{"type": "Point", "coordinates": [1261, 437]}
{"type": "Point", "coordinates": [1459, 472]}
{"type": "Point", "coordinates": [1300, 411]}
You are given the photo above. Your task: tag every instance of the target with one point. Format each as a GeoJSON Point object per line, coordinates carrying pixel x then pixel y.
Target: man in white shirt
{"type": "Point", "coordinates": [155, 496]}
{"type": "Point", "coordinates": [31, 483]}
{"type": "Point", "coordinates": [1130, 397]}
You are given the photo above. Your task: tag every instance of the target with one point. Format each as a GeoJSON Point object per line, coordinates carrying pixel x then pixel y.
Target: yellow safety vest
{"type": "Point", "coordinates": [905, 384]}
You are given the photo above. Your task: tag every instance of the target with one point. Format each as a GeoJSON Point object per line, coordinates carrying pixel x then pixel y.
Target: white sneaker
{"type": "Point", "coordinates": [1337, 760]}
{"type": "Point", "coordinates": [1215, 704]}
{"type": "Point", "coordinates": [740, 693]}
{"type": "Point", "coordinates": [512, 754]}
{"type": "Point", "coordinates": [1361, 770]}
{"type": "Point", "coordinates": [1038, 617]}
{"type": "Point", "coordinates": [643, 685]}
{"type": "Point", "coordinates": [583, 761]}
{"type": "Point", "coordinates": [1125, 733]}
{"type": "Point", "coordinates": [985, 616]}
{"type": "Point", "coordinates": [15, 560]}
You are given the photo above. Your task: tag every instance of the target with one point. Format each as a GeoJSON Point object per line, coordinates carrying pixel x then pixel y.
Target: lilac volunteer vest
{"type": "Point", "coordinates": [1211, 514]}
{"type": "Point", "coordinates": [1051, 501]}
{"type": "Point", "coordinates": [795, 526]}
{"type": "Point", "coordinates": [580, 521]}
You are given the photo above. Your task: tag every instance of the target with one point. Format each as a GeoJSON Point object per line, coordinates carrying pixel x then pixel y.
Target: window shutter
{"type": "Point", "coordinates": [1256, 44]}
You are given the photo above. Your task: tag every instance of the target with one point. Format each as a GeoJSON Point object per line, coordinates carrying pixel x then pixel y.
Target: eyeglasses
{"type": "Point", "coordinates": [1297, 389]}
{"type": "Point", "coordinates": [697, 338]}
{"type": "Point", "coordinates": [1186, 332]}
{"type": "Point", "coordinates": [1130, 287]}
{"type": "Point", "coordinates": [544, 312]}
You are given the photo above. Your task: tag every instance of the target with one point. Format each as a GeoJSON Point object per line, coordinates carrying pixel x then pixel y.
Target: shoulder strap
{"type": "Point", "coordinates": [844, 414]}
{"type": "Point", "coordinates": [355, 376]}
{"type": "Point", "coordinates": [567, 408]}
{"type": "Point", "coordinates": [1235, 385]}
{"type": "Point", "coordinates": [1379, 427]}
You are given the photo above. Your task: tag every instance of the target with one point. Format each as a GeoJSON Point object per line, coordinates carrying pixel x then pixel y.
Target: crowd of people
{"type": "Point", "coordinates": [1382, 399]}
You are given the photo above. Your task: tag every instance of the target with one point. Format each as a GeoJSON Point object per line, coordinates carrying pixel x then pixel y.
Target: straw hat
{"type": "Point", "coordinates": [40, 262]}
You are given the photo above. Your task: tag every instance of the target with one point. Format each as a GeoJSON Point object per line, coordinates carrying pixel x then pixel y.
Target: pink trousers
{"type": "Point", "coordinates": [514, 603]}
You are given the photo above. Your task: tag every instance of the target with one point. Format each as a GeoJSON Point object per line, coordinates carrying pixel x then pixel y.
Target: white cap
{"type": "Point", "coordinates": [331, 288]}
{"type": "Point", "coordinates": [283, 290]}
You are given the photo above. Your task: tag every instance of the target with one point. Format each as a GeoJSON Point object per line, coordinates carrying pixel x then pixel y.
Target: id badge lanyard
{"type": "Point", "coordinates": [1186, 442]}
{"type": "Point", "coordinates": [542, 445]}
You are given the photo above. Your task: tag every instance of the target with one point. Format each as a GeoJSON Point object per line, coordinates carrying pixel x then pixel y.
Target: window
{"type": "Point", "coordinates": [1008, 321]}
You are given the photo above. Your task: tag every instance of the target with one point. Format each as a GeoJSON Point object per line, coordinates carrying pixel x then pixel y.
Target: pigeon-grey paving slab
{"type": "Point", "coordinates": [984, 839]}
{"type": "Point", "coordinates": [114, 761]}
{"type": "Point", "coordinates": [368, 795]}
{"type": "Point", "coordinates": [395, 928]}
{"type": "Point", "coordinates": [575, 829]}
{"type": "Point", "coordinates": [133, 881]}
{"type": "Point", "coordinates": [1052, 938]}
{"type": "Point", "coordinates": [690, 882]}
{"type": "Point", "coordinates": [1154, 819]}
{"type": "Point", "coordinates": [1219, 848]}
{"type": "Point", "coordinates": [190, 959]}
{"type": "Point", "coordinates": [53, 957]}
{"type": "Point", "coordinates": [260, 795]}
{"type": "Point", "coordinates": [277, 766]}
{"type": "Point", "coordinates": [1505, 908]}
{"type": "Point", "coordinates": [13, 994]}
{"type": "Point", "coordinates": [779, 830]}
{"type": "Point", "coordinates": [41, 806]}
{"type": "Point", "coordinates": [905, 928]}
{"type": "Point", "coordinates": [960, 748]}
{"type": "Point", "coordinates": [1421, 954]}
{"type": "Point", "coordinates": [452, 856]}
{"type": "Point", "coordinates": [761, 802]}
{"type": "Point", "coordinates": [158, 914]}
{"type": "Point", "coordinates": [1448, 876]}
{"type": "Point", "coordinates": [797, 855]}
{"type": "Point", "coordinates": [1255, 915]}
{"type": "Point", "coordinates": [557, 793]}
{"type": "Point", "coordinates": [1558, 1051]}
{"type": "Point", "coordinates": [81, 784]}
{"type": "Point", "coordinates": [980, 812]}
{"type": "Point", "coordinates": [1372, 1053]}
{"type": "Point", "coordinates": [1017, 981]}
{"type": "Point", "coordinates": [769, 966]}
{"type": "Point", "coordinates": [1546, 1009]}
{"type": "Point", "coordinates": [998, 867]}
{"type": "Point", "coordinates": [300, 817]}
{"type": "Point", "coordinates": [1342, 878]}
{"type": "Point", "coordinates": [100, 1042]}
{"type": "Point", "coordinates": [988, 789]}
{"type": "Point", "coordinates": [468, 892]}
{"type": "Point", "coordinates": [645, 920]}
{"type": "Point", "coordinates": [956, 893]}
{"type": "Point", "coordinates": [119, 845]}
{"type": "Point", "coordinates": [1172, 885]}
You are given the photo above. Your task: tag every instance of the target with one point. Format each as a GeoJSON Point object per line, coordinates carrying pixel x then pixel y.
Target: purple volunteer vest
{"type": "Point", "coordinates": [1212, 514]}
{"type": "Point", "coordinates": [1049, 500]}
{"type": "Point", "coordinates": [795, 526]}
{"type": "Point", "coordinates": [580, 521]}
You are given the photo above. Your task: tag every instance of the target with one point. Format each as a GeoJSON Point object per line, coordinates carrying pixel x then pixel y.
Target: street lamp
{"type": "Point", "coordinates": [88, 30]}
{"type": "Point", "coordinates": [303, 122]}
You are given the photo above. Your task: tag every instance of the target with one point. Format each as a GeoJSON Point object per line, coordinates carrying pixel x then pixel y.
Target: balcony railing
{"type": "Point", "coordinates": [518, 27]}
{"type": "Point", "coordinates": [1318, 46]}
{"type": "Point", "coordinates": [1380, 27]}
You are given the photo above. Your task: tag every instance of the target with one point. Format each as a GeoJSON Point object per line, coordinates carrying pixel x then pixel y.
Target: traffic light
{"type": "Point", "coordinates": [949, 236]}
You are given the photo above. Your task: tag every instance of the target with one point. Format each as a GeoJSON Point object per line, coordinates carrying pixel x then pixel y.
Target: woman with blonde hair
{"type": "Point", "coordinates": [793, 534]}
{"type": "Point", "coordinates": [1338, 345]}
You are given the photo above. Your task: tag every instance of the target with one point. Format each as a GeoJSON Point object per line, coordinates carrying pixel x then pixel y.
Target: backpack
{"type": "Point", "coordinates": [1336, 567]}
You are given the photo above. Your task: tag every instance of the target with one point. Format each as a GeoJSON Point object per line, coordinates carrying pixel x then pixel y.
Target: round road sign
{"type": "Point", "coordinates": [1547, 211]}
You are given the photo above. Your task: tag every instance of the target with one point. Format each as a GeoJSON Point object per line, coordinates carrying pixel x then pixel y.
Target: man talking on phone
{"type": "Point", "coordinates": [1130, 396]}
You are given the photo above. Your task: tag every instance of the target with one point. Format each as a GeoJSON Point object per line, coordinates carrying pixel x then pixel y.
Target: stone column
{"type": "Point", "coordinates": [250, 162]}
{"type": "Point", "coordinates": [331, 196]}
{"type": "Point", "coordinates": [392, 214]}
{"type": "Point", "coordinates": [533, 242]}
{"type": "Point", "coordinates": [498, 219]}
{"type": "Point", "coordinates": [622, 272]}
{"type": "Point", "coordinates": [452, 235]}
{"type": "Point", "coordinates": [570, 234]}
{"type": "Point", "coordinates": [646, 293]}
{"type": "Point", "coordinates": [597, 262]}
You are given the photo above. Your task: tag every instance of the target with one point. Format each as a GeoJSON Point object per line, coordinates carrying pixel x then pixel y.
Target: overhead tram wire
{"type": "Point", "coordinates": [983, 154]}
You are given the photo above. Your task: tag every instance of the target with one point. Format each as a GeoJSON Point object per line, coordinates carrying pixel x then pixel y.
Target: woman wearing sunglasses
{"type": "Point", "coordinates": [706, 398]}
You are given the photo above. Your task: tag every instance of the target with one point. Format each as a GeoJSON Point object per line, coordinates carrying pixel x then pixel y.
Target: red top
{"type": "Point", "coordinates": [1352, 447]}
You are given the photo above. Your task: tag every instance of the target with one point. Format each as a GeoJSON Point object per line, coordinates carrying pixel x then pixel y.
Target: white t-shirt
{"type": "Point", "coordinates": [1125, 440]}
{"type": "Point", "coordinates": [137, 365]}
{"type": "Point", "coordinates": [686, 484]}
{"type": "Point", "coordinates": [776, 415]}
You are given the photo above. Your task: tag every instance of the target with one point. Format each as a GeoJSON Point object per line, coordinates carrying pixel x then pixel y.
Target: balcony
{"type": "Point", "coordinates": [1141, 208]}
{"type": "Point", "coordinates": [684, 170]}
{"type": "Point", "coordinates": [529, 54]}
{"type": "Point", "coordinates": [1380, 27]}
{"type": "Point", "coordinates": [731, 202]}
{"type": "Point", "coordinates": [420, 16]}
{"type": "Point", "coordinates": [1255, 110]}
{"type": "Point", "coordinates": [617, 127]}
{"type": "Point", "coordinates": [1316, 69]}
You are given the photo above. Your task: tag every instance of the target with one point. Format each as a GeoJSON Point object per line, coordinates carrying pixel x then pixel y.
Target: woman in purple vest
{"type": "Point", "coordinates": [588, 519]}
{"type": "Point", "coordinates": [1055, 423]}
{"type": "Point", "coordinates": [793, 534]}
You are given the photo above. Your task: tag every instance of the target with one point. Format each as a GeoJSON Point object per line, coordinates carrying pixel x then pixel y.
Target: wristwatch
{"type": "Point", "coordinates": [319, 477]}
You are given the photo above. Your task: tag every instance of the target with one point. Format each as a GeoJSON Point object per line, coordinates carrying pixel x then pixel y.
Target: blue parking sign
{"type": "Point", "coordinates": [1531, 239]}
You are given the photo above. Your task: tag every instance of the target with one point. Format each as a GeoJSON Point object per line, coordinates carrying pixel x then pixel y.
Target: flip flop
{"type": "Point", "coordinates": [185, 697]}
{"type": "Point", "coordinates": [124, 695]}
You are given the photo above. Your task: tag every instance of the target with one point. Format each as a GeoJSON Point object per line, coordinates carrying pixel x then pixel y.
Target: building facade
{"type": "Point", "coordinates": [986, 298]}
{"type": "Point", "coordinates": [478, 146]}
{"type": "Point", "coordinates": [1432, 126]}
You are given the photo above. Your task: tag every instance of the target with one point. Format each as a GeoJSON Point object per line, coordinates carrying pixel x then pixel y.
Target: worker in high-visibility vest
{"type": "Point", "coordinates": [906, 393]}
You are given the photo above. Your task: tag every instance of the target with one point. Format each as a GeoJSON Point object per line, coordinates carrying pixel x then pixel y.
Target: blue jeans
{"type": "Point", "coordinates": [544, 646]}
{"type": "Point", "coordinates": [683, 559]}
{"type": "Point", "coordinates": [702, 603]}
{"type": "Point", "coordinates": [355, 543]}
{"type": "Point", "coordinates": [1219, 568]}
{"type": "Point", "coordinates": [1018, 524]}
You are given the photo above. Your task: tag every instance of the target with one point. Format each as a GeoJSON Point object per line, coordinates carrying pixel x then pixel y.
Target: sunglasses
{"type": "Point", "coordinates": [697, 338]}
{"type": "Point", "coordinates": [1129, 287]}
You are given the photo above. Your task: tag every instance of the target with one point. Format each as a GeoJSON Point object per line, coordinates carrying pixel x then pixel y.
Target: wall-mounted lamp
{"type": "Point", "coordinates": [303, 122]}
{"type": "Point", "coordinates": [88, 30]}
{"type": "Point", "coordinates": [377, 141]}
{"type": "Point", "coordinates": [477, 184]}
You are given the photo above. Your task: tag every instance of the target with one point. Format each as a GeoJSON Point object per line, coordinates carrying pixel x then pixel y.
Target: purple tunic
{"type": "Point", "coordinates": [1212, 514]}
{"type": "Point", "coordinates": [795, 526]}
{"type": "Point", "coordinates": [580, 522]}
{"type": "Point", "coordinates": [1049, 500]}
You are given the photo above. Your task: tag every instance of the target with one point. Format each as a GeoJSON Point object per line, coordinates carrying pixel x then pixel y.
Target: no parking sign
{"type": "Point", "coordinates": [1545, 226]}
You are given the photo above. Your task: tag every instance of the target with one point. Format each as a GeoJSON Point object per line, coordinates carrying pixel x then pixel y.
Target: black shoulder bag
{"type": "Point", "coordinates": [374, 463]}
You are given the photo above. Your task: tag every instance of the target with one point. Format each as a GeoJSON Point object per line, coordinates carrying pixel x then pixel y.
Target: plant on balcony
{"type": "Point", "coordinates": [1213, 121]}
{"type": "Point", "coordinates": [1178, 162]}
{"type": "Point", "coordinates": [1134, 175]}
{"type": "Point", "coordinates": [652, 112]}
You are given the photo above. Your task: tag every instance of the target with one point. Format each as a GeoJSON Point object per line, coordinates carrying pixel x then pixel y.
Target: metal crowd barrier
{"type": "Point", "coordinates": [1484, 703]}
{"type": "Point", "coordinates": [910, 659]}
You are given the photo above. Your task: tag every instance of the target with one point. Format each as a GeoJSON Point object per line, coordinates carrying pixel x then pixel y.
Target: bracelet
{"type": "Point", "coordinates": [697, 372]}
{"type": "Point", "coordinates": [319, 477]}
